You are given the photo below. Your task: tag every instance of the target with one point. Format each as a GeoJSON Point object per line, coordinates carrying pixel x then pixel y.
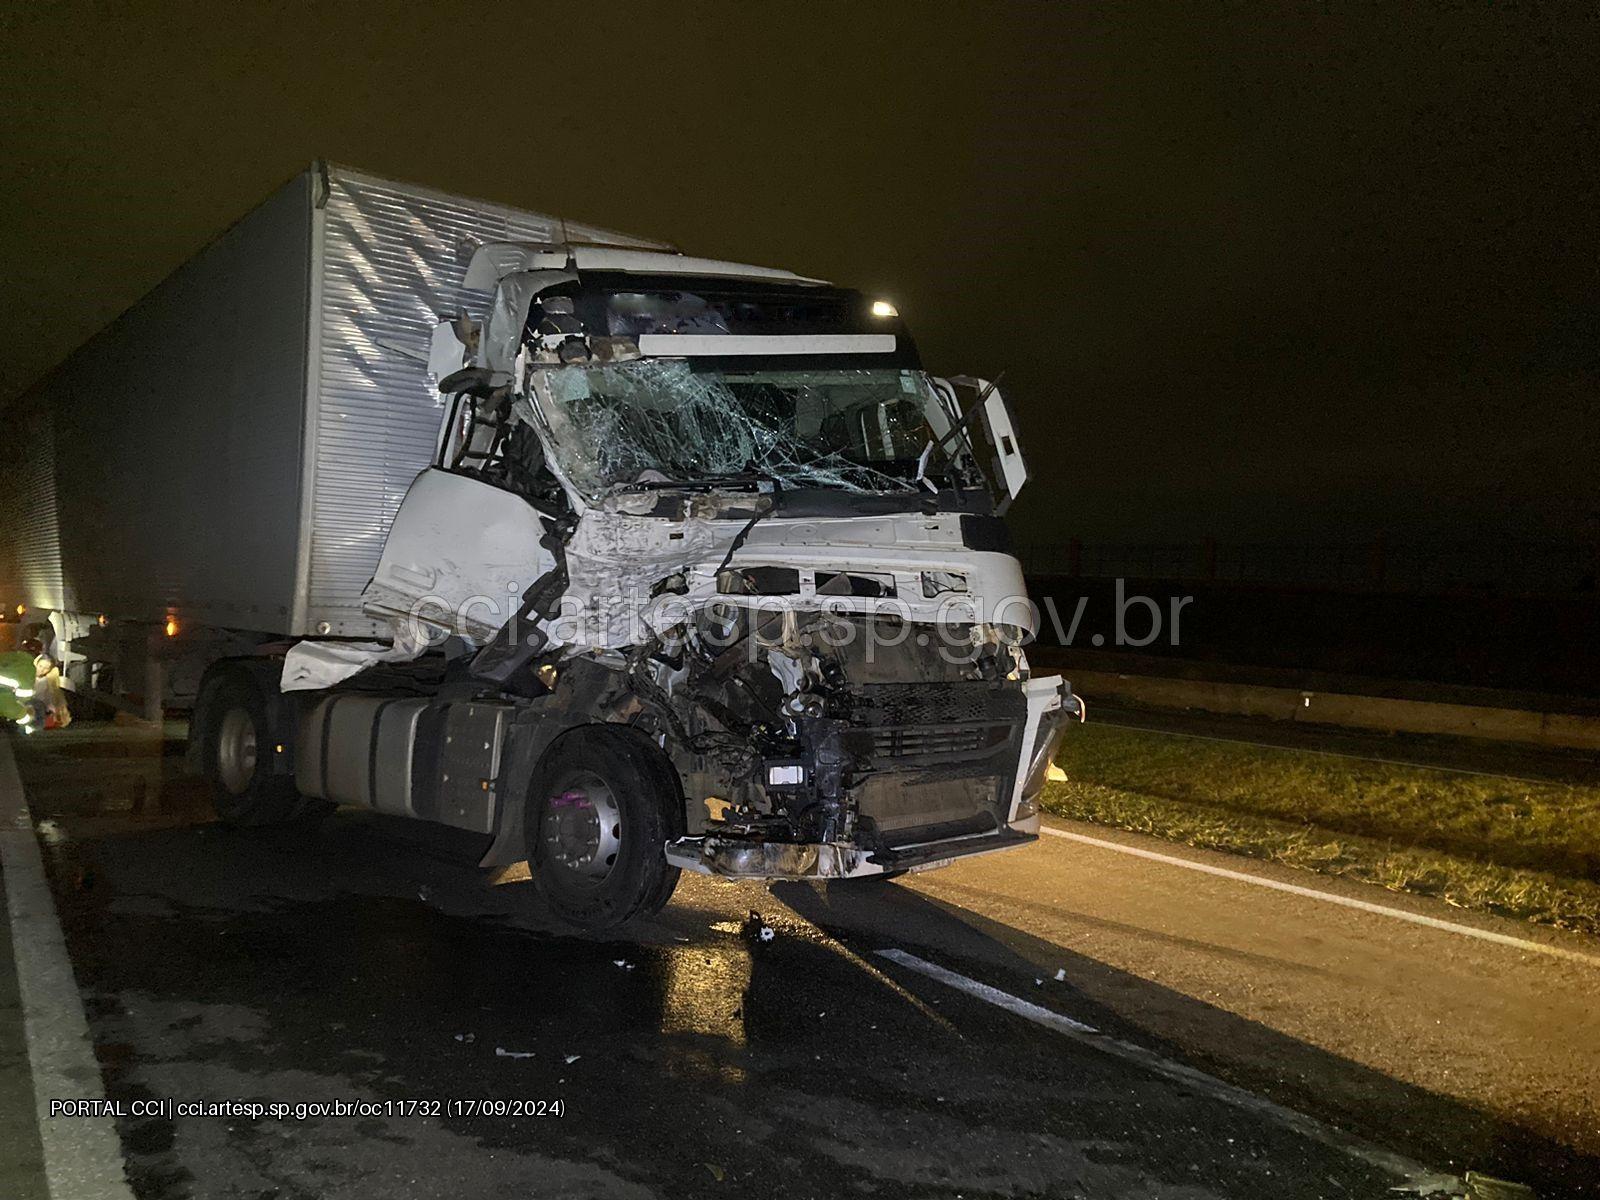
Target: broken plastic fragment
{"type": "Point", "coordinates": [756, 929]}
{"type": "Point", "coordinates": [502, 1052]}
{"type": "Point", "coordinates": [312, 665]}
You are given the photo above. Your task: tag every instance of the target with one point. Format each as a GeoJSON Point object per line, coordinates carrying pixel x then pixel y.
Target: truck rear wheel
{"type": "Point", "coordinates": [601, 808]}
{"type": "Point", "coordinates": [236, 757]}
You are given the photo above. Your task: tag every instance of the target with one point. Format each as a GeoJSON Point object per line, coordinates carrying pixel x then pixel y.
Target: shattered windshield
{"type": "Point", "coordinates": [657, 421]}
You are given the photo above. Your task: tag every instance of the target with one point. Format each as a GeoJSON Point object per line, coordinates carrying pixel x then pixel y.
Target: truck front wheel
{"type": "Point", "coordinates": [602, 806]}
{"type": "Point", "coordinates": [235, 755]}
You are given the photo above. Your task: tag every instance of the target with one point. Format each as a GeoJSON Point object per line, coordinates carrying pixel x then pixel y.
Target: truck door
{"type": "Point", "coordinates": [460, 553]}
{"type": "Point", "coordinates": [995, 429]}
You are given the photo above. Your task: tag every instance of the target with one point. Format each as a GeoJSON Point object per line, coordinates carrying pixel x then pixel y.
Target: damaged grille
{"type": "Point", "coordinates": [904, 726]}
{"type": "Point", "coordinates": [940, 759]}
{"type": "Point", "coordinates": [910, 745]}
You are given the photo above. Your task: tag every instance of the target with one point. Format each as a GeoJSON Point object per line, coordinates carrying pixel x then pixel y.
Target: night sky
{"type": "Point", "coordinates": [1300, 273]}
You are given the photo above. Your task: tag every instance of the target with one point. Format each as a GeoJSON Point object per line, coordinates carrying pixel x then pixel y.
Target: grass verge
{"type": "Point", "coordinates": [1518, 849]}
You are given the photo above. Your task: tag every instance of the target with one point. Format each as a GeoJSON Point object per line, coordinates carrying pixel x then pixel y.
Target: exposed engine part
{"type": "Point", "coordinates": [815, 725]}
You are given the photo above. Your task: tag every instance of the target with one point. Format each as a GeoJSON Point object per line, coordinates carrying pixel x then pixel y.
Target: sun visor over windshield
{"type": "Point", "coordinates": [690, 345]}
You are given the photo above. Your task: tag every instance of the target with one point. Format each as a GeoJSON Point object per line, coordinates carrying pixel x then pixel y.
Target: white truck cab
{"type": "Point", "coordinates": [716, 533]}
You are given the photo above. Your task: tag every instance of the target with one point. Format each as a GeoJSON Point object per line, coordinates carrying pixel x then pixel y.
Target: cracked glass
{"type": "Point", "coordinates": [659, 421]}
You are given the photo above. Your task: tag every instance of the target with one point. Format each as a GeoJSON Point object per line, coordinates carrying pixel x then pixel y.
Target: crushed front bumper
{"type": "Point", "coordinates": [1049, 704]}
{"type": "Point", "coordinates": [734, 858]}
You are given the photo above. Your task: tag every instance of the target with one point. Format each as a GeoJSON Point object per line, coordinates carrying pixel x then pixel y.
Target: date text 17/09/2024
{"type": "Point", "coordinates": [309, 1110]}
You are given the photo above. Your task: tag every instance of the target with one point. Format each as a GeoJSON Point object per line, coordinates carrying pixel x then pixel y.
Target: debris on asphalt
{"type": "Point", "coordinates": [1061, 974]}
{"type": "Point", "coordinates": [572, 1058]}
{"type": "Point", "coordinates": [756, 929]}
{"type": "Point", "coordinates": [717, 1172]}
{"type": "Point", "coordinates": [623, 963]}
{"type": "Point", "coordinates": [502, 1052]}
{"type": "Point", "coordinates": [1487, 1187]}
{"type": "Point", "coordinates": [466, 1037]}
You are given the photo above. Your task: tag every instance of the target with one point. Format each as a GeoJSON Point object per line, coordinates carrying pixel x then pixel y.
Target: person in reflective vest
{"type": "Point", "coordinates": [17, 675]}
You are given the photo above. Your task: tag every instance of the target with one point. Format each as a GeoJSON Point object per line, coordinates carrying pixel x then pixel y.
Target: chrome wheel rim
{"type": "Point", "coordinates": [236, 751]}
{"type": "Point", "coordinates": [583, 826]}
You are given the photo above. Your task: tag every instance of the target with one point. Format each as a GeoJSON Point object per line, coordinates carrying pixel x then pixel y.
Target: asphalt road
{"type": "Point", "coordinates": [1244, 1042]}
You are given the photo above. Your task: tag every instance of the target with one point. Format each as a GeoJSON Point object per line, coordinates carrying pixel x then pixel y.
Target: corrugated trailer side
{"type": "Point", "coordinates": [232, 449]}
{"type": "Point", "coordinates": [30, 545]}
{"type": "Point", "coordinates": [174, 437]}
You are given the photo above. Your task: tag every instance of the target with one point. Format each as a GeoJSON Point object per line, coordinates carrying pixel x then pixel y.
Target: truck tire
{"type": "Point", "coordinates": [234, 757]}
{"type": "Point", "coordinates": [602, 805]}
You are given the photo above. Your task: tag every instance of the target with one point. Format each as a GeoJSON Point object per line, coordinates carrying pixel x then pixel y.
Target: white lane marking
{"type": "Point", "coordinates": [1294, 889]}
{"type": "Point", "coordinates": [82, 1155]}
{"type": "Point", "coordinates": [1419, 1179]}
{"type": "Point", "coordinates": [1371, 758]}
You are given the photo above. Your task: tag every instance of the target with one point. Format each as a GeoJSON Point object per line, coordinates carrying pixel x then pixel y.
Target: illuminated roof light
{"type": "Point", "coordinates": [101, 620]}
{"type": "Point", "coordinates": [172, 626]}
{"type": "Point", "coordinates": [22, 610]}
{"type": "Point", "coordinates": [882, 308]}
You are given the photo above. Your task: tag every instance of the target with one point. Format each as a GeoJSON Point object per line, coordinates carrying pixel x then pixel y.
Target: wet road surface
{"type": "Point", "coordinates": [368, 960]}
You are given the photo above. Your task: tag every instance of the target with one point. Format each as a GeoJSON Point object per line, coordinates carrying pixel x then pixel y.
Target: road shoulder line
{"type": "Point", "coordinates": [83, 1155]}
{"type": "Point", "coordinates": [1294, 889]}
{"type": "Point", "coordinates": [1419, 1180]}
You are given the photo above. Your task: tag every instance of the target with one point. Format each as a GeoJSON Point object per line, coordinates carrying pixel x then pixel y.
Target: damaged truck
{"type": "Point", "coordinates": [629, 561]}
